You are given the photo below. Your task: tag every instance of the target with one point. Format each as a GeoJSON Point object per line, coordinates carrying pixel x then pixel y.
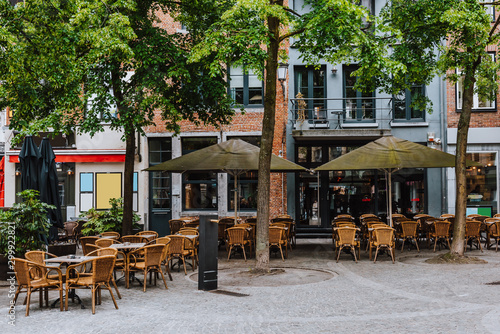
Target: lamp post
{"type": "Point", "coordinates": [282, 72]}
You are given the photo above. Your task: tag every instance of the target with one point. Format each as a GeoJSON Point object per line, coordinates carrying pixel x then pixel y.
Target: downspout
{"type": "Point", "coordinates": [444, 142]}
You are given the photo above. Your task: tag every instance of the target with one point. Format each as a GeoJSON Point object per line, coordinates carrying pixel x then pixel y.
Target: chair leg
{"type": "Point", "coordinates": [403, 245]}
{"type": "Point", "coordinates": [61, 298]}
{"type": "Point", "coordinates": [353, 250]}
{"type": "Point", "coordinates": [376, 253]}
{"type": "Point", "coordinates": [184, 264]}
{"type": "Point", "coordinates": [281, 251]}
{"type": "Point", "coordinates": [28, 297]}
{"type": "Point", "coordinates": [93, 299]}
{"type": "Point", "coordinates": [116, 287]}
{"type": "Point", "coordinates": [416, 244]}
{"type": "Point", "coordinates": [229, 252]}
{"type": "Point", "coordinates": [244, 253]}
{"type": "Point", "coordinates": [338, 253]}
{"type": "Point", "coordinates": [111, 293]}
{"type": "Point", "coordinates": [392, 253]}
{"type": "Point", "coordinates": [163, 277]}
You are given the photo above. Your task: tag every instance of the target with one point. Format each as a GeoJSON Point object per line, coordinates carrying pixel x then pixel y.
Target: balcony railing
{"type": "Point", "coordinates": [340, 113]}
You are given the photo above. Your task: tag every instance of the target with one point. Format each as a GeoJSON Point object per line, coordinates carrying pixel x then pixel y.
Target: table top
{"type": "Point", "coordinates": [69, 259]}
{"type": "Point", "coordinates": [129, 245]}
{"type": "Point", "coordinates": [147, 236]}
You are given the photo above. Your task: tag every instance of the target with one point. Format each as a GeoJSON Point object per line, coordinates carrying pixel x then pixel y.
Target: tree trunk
{"type": "Point", "coordinates": [128, 182]}
{"type": "Point", "coordinates": [263, 188]}
{"type": "Point", "coordinates": [457, 246]}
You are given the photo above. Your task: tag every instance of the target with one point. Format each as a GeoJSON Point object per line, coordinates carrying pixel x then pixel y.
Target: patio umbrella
{"type": "Point", "coordinates": [234, 157]}
{"type": "Point", "coordinates": [390, 154]}
{"type": "Point", "coordinates": [49, 183]}
{"type": "Point", "coordinates": [29, 157]}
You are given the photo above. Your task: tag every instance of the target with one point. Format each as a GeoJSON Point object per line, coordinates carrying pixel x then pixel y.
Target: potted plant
{"type": "Point", "coordinates": [24, 226]}
{"type": "Point", "coordinates": [108, 220]}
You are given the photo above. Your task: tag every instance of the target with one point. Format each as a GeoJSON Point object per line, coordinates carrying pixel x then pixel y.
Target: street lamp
{"type": "Point", "coordinates": [282, 71]}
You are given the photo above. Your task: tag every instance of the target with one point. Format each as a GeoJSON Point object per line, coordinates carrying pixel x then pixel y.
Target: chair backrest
{"type": "Point", "coordinates": [495, 229]}
{"type": "Point", "coordinates": [472, 228]}
{"type": "Point", "coordinates": [345, 224]}
{"type": "Point", "coordinates": [103, 252]}
{"type": "Point", "coordinates": [236, 235]}
{"type": "Point", "coordinates": [116, 235]}
{"type": "Point", "coordinates": [102, 268]}
{"type": "Point", "coordinates": [275, 235]}
{"type": "Point", "coordinates": [36, 256]}
{"type": "Point", "coordinates": [175, 225]}
{"type": "Point", "coordinates": [153, 254]}
{"type": "Point", "coordinates": [496, 215]}
{"type": "Point", "coordinates": [22, 271]}
{"type": "Point", "coordinates": [176, 245]}
{"type": "Point", "coordinates": [134, 239]}
{"type": "Point", "coordinates": [193, 223]}
{"type": "Point", "coordinates": [148, 232]}
{"type": "Point", "coordinates": [251, 220]}
{"type": "Point", "coordinates": [442, 228]}
{"type": "Point", "coordinates": [189, 231]}
{"type": "Point", "coordinates": [346, 235]}
{"type": "Point", "coordinates": [90, 248]}
{"type": "Point", "coordinates": [374, 224]}
{"type": "Point", "coordinates": [409, 228]}
{"type": "Point", "coordinates": [105, 242]}
{"type": "Point", "coordinates": [384, 235]}
{"type": "Point", "coordinates": [69, 227]}
{"type": "Point", "coordinates": [84, 241]}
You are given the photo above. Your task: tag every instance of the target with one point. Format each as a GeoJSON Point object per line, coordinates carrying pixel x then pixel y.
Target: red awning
{"type": "Point", "coordinates": [81, 158]}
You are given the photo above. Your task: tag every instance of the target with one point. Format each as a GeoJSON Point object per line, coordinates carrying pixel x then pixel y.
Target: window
{"type": "Point", "coordinates": [246, 88]}
{"type": "Point", "coordinates": [490, 9]}
{"type": "Point", "coordinates": [247, 182]}
{"type": "Point", "coordinates": [310, 82]}
{"type": "Point", "coordinates": [359, 106]}
{"type": "Point", "coordinates": [482, 181]}
{"type": "Point", "coordinates": [402, 105]}
{"type": "Point", "coordinates": [160, 150]}
{"type": "Point", "coordinates": [86, 191]}
{"type": "Point", "coordinates": [480, 103]}
{"type": "Point", "coordinates": [199, 188]}
{"type": "Point", "coordinates": [108, 186]}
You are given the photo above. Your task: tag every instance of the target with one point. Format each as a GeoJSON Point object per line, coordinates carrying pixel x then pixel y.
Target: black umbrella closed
{"type": "Point", "coordinates": [48, 183]}
{"type": "Point", "coordinates": [29, 157]}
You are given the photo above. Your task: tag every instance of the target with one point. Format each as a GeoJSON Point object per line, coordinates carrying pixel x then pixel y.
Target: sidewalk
{"type": "Point", "coordinates": [314, 295]}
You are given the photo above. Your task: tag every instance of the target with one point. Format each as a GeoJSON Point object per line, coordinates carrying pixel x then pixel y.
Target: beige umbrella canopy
{"type": "Point", "coordinates": [234, 157]}
{"type": "Point", "coordinates": [391, 154]}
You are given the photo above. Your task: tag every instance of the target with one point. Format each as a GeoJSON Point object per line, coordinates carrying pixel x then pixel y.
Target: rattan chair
{"type": "Point", "coordinates": [70, 231]}
{"type": "Point", "coordinates": [287, 226]}
{"type": "Point", "coordinates": [144, 233]}
{"type": "Point", "coordinates": [494, 232]}
{"type": "Point", "coordinates": [237, 239]}
{"type": "Point", "coordinates": [151, 258]}
{"type": "Point", "coordinates": [191, 242]}
{"type": "Point", "coordinates": [87, 241]}
{"type": "Point", "coordinates": [383, 237]}
{"type": "Point", "coordinates": [473, 233]}
{"type": "Point", "coordinates": [346, 238]}
{"type": "Point", "coordinates": [163, 241]}
{"type": "Point", "coordinates": [113, 234]}
{"type": "Point", "coordinates": [409, 232]}
{"type": "Point", "coordinates": [176, 250]}
{"type": "Point", "coordinates": [31, 276]}
{"type": "Point", "coordinates": [175, 225]}
{"type": "Point", "coordinates": [100, 275]}
{"type": "Point", "coordinates": [277, 239]}
{"type": "Point", "coordinates": [119, 262]}
{"type": "Point", "coordinates": [440, 231]}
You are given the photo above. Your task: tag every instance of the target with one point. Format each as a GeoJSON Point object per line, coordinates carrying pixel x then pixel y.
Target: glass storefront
{"type": "Point", "coordinates": [482, 183]}
{"type": "Point", "coordinates": [324, 195]}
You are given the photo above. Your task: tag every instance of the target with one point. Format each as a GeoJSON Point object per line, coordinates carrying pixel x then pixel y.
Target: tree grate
{"type": "Point", "coordinates": [230, 293]}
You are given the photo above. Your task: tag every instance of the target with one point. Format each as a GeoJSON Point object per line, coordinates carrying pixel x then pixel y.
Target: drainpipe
{"type": "Point", "coordinates": [444, 141]}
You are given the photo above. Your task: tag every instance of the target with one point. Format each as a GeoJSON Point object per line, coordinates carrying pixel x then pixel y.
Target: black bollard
{"type": "Point", "coordinates": [207, 255]}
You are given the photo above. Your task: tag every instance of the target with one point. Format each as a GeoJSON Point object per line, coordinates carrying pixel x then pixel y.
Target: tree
{"type": "Point", "coordinates": [73, 65]}
{"type": "Point", "coordinates": [253, 34]}
{"type": "Point", "coordinates": [438, 37]}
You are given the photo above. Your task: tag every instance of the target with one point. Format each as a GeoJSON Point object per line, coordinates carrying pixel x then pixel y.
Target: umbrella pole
{"type": "Point", "coordinates": [235, 198]}
{"type": "Point", "coordinates": [390, 198]}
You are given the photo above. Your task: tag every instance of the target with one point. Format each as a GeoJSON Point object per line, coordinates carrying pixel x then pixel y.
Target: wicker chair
{"type": "Point", "coordinates": [237, 239]}
{"type": "Point", "coordinates": [176, 250]}
{"type": "Point", "coordinates": [145, 234]}
{"type": "Point", "coordinates": [100, 276]}
{"type": "Point", "coordinates": [87, 241]}
{"type": "Point", "coordinates": [277, 239]}
{"type": "Point", "coordinates": [346, 238]}
{"type": "Point", "coordinates": [409, 232]}
{"type": "Point", "coordinates": [70, 233]}
{"type": "Point", "coordinates": [473, 232]}
{"type": "Point", "coordinates": [89, 248]}
{"type": "Point", "coordinates": [193, 223]}
{"type": "Point", "coordinates": [287, 226]}
{"type": "Point", "coordinates": [148, 263]}
{"type": "Point", "coordinates": [441, 231]}
{"type": "Point", "coordinates": [119, 262]}
{"type": "Point", "coordinates": [33, 276]}
{"type": "Point", "coordinates": [175, 225]}
{"type": "Point", "coordinates": [383, 238]}
{"type": "Point", "coordinates": [191, 243]}
{"type": "Point", "coordinates": [115, 235]}
{"type": "Point", "coordinates": [163, 241]}
{"type": "Point", "coordinates": [494, 232]}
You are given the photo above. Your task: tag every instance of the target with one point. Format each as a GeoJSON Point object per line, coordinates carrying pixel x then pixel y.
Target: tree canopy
{"type": "Point", "coordinates": [73, 65]}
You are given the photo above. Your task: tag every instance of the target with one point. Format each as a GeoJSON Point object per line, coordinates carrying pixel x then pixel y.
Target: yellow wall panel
{"type": "Point", "coordinates": [107, 186]}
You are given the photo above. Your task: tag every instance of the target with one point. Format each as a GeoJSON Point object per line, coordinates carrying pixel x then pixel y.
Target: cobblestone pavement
{"type": "Point", "coordinates": [365, 297]}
